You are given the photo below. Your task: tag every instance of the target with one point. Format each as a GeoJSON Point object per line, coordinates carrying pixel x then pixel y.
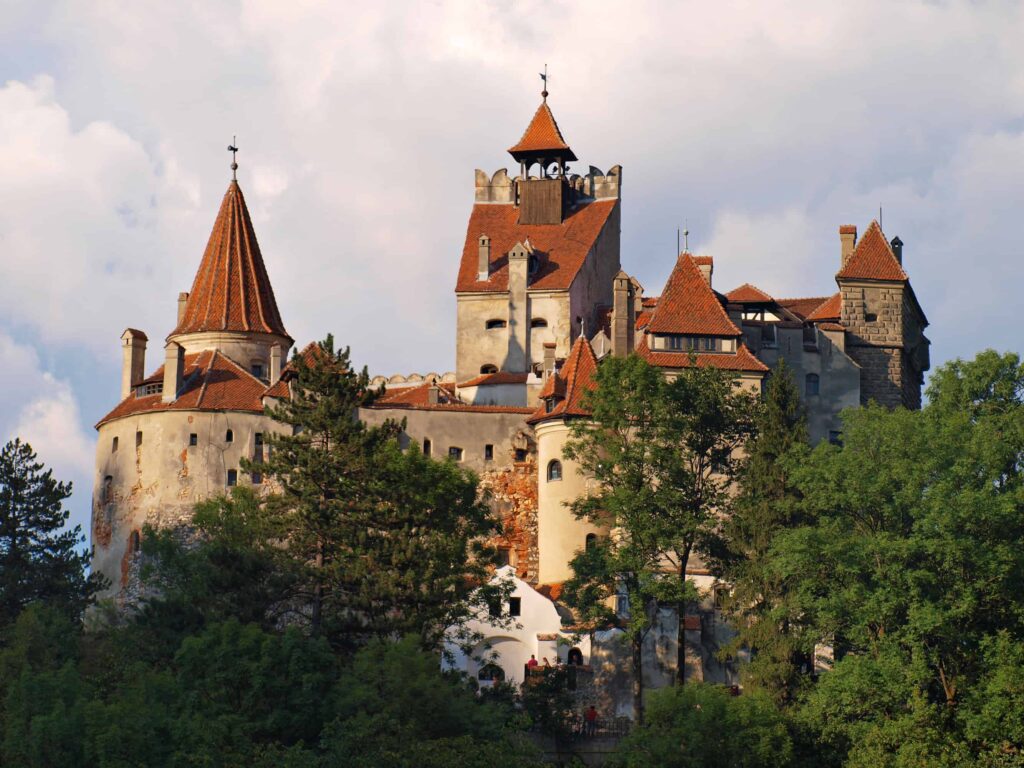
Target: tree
{"type": "Point", "coordinates": [38, 559]}
{"type": "Point", "coordinates": [910, 559]}
{"type": "Point", "coordinates": [618, 448]}
{"type": "Point", "coordinates": [765, 504]}
{"type": "Point", "coordinates": [702, 726]}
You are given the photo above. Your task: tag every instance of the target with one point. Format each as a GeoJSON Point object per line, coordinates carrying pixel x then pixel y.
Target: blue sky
{"type": "Point", "coordinates": [765, 126]}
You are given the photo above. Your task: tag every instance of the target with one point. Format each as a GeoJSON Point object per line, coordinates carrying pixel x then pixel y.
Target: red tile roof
{"type": "Point", "coordinates": [749, 294]}
{"type": "Point", "coordinates": [562, 248]}
{"type": "Point", "coordinates": [688, 305]}
{"type": "Point", "coordinates": [542, 135]}
{"type": "Point", "coordinates": [232, 291]}
{"type": "Point", "coordinates": [212, 382]}
{"type": "Point", "coordinates": [743, 360]}
{"type": "Point", "coordinates": [831, 327]}
{"type": "Point", "coordinates": [491, 379]}
{"type": "Point", "coordinates": [802, 307]}
{"type": "Point", "coordinates": [417, 399]}
{"type": "Point", "coordinates": [577, 375]}
{"type": "Point", "coordinates": [704, 261]}
{"type": "Point", "coordinates": [830, 309]}
{"type": "Point", "coordinates": [873, 259]}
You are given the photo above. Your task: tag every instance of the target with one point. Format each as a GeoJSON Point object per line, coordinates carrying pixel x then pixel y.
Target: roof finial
{"type": "Point", "coordinates": [233, 149]}
{"type": "Point", "coordinates": [686, 235]}
{"type": "Point", "coordinates": [544, 79]}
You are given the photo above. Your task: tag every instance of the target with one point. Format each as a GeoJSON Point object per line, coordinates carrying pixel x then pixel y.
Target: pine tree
{"type": "Point", "coordinates": [38, 559]}
{"type": "Point", "coordinates": [764, 507]}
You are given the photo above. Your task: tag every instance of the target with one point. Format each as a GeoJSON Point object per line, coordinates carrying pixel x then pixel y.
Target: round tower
{"type": "Point", "coordinates": [178, 435]}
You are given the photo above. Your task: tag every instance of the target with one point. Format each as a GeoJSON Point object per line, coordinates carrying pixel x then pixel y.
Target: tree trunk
{"type": "Point", "coordinates": [318, 589]}
{"type": "Point", "coordinates": [681, 628]}
{"type": "Point", "coordinates": [638, 680]}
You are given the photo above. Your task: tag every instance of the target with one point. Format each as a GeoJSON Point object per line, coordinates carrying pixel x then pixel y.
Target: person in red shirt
{"type": "Point", "coordinates": [590, 721]}
{"type": "Point", "coordinates": [531, 664]}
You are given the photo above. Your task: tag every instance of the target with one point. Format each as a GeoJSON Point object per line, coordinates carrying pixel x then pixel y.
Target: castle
{"type": "Point", "coordinates": [541, 298]}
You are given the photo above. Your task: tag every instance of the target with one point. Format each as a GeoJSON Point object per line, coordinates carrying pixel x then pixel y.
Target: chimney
{"type": "Point", "coordinates": [549, 359]}
{"type": "Point", "coordinates": [275, 364]}
{"type": "Point", "coordinates": [848, 241]}
{"type": "Point", "coordinates": [483, 267]}
{"type": "Point", "coordinates": [174, 370]}
{"type": "Point", "coordinates": [182, 301]}
{"type": "Point", "coordinates": [707, 267]}
{"type": "Point", "coordinates": [897, 249]}
{"type": "Point", "coordinates": [133, 361]}
{"type": "Point", "coordinates": [623, 321]}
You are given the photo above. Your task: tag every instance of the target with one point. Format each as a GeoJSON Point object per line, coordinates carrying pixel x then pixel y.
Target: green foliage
{"type": "Point", "coordinates": [702, 726]}
{"type": "Point", "coordinates": [766, 504]}
{"type": "Point", "coordinates": [38, 560]}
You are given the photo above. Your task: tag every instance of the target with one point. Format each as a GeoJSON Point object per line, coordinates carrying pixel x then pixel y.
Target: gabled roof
{"type": "Point", "coordinates": [418, 395]}
{"type": "Point", "coordinates": [749, 294]}
{"type": "Point", "coordinates": [830, 309]}
{"type": "Point", "coordinates": [542, 135]}
{"type": "Point", "coordinates": [802, 307]}
{"type": "Point", "coordinates": [561, 248]}
{"type": "Point", "coordinates": [231, 291]}
{"type": "Point", "coordinates": [688, 305]}
{"type": "Point", "coordinates": [743, 360]}
{"type": "Point", "coordinates": [212, 382]}
{"type": "Point", "coordinates": [873, 259]}
{"type": "Point", "coordinates": [577, 376]}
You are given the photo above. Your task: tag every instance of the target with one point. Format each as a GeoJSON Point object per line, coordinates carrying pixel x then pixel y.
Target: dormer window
{"type": "Point", "coordinates": [495, 324]}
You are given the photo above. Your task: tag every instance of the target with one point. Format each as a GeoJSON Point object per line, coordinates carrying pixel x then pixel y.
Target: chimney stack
{"type": "Point", "coordinates": [275, 364]}
{"type": "Point", "coordinates": [897, 249]}
{"type": "Point", "coordinates": [848, 241]}
{"type": "Point", "coordinates": [623, 321]}
{"type": "Point", "coordinates": [182, 301]}
{"type": "Point", "coordinates": [484, 258]}
{"type": "Point", "coordinates": [707, 267]}
{"type": "Point", "coordinates": [174, 370]}
{"type": "Point", "coordinates": [133, 361]}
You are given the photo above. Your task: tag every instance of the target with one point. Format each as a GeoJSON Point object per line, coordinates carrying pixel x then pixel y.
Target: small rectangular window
{"type": "Point", "coordinates": [494, 608]}
{"type": "Point", "coordinates": [488, 452]}
{"type": "Point", "coordinates": [520, 454]}
{"type": "Point", "coordinates": [426, 446]}
{"type": "Point", "coordinates": [835, 437]}
{"type": "Point", "coordinates": [232, 477]}
{"type": "Point", "coordinates": [138, 439]}
{"type": "Point", "coordinates": [455, 453]}
{"type": "Point", "coordinates": [257, 451]}
{"type": "Point", "coordinates": [257, 370]}
{"type": "Point", "coordinates": [709, 344]}
{"type": "Point", "coordinates": [113, 445]}
{"type": "Point", "coordinates": [504, 557]}
{"type": "Point", "coordinates": [514, 606]}
{"type": "Point", "coordinates": [193, 439]}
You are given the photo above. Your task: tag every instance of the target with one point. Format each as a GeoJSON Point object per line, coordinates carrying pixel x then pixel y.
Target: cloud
{"type": "Point", "coordinates": [42, 410]}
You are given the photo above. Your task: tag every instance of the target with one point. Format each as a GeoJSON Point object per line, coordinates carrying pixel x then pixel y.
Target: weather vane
{"type": "Point", "coordinates": [544, 79]}
{"type": "Point", "coordinates": [233, 149]}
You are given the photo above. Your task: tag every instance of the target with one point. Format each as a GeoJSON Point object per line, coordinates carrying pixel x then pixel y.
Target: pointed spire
{"type": "Point", "coordinates": [542, 138]}
{"type": "Point", "coordinates": [231, 291]}
{"type": "Point", "coordinates": [873, 259]}
{"type": "Point", "coordinates": [688, 305]}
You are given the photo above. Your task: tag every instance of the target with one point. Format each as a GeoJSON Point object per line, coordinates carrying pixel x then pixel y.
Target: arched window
{"type": "Point", "coordinates": [591, 540]}
{"type": "Point", "coordinates": [811, 384]}
{"type": "Point", "coordinates": [229, 436]}
{"type": "Point", "coordinates": [538, 322]}
{"type": "Point", "coordinates": [575, 657]}
{"type": "Point", "coordinates": [492, 324]}
{"type": "Point", "coordinates": [113, 445]}
{"type": "Point", "coordinates": [491, 673]}
{"type": "Point", "coordinates": [488, 368]}
{"type": "Point", "coordinates": [134, 543]}
{"type": "Point", "coordinates": [554, 470]}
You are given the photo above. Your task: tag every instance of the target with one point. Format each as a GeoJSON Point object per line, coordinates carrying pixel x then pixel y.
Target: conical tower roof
{"type": "Point", "coordinates": [542, 138]}
{"type": "Point", "coordinates": [232, 291]}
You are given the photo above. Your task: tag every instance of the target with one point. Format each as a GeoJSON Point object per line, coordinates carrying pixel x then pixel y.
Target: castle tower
{"type": "Point", "coordinates": [883, 320]}
{"type": "Point", "coordinates": [178, 435]}
{"type": "Point", "coordinates": [559, 479]}
{"type": "Point", "coordinates": [540, 254]}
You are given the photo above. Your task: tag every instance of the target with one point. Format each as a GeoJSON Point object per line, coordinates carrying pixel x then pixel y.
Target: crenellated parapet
{"type": "Point", "coordinates": [595, 185]}
{"type": "Point", "coordinates": [412, 379]}
{"type": "Point", "coordinates": [498, 188]}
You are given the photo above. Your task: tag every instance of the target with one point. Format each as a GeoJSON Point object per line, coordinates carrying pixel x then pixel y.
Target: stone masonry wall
{"type": "Point", "coordinates": [877, 345]}
{"type": "Point", "coordinates": [513, 496]}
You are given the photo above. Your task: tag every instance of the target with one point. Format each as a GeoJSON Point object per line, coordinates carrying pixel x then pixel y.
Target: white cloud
{"type": "Point", "coordinates": [42, 410]}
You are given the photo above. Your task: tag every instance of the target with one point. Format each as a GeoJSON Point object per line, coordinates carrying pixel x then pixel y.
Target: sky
{"type": "Point", "coordinates": [759, 126]}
